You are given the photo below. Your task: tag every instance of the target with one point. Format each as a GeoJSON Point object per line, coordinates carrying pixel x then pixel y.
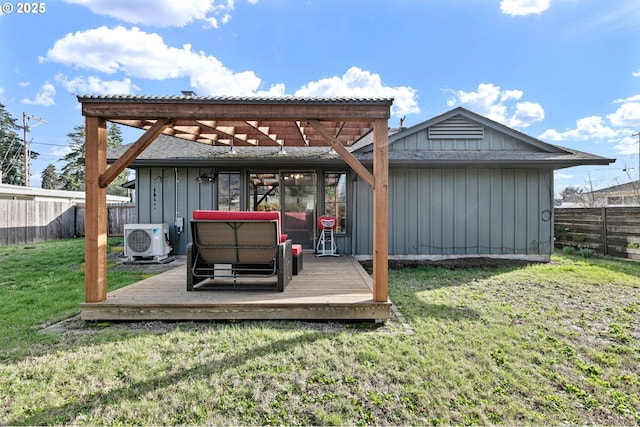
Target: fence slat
{"type": "Point", "coordinates": [32, 221]}
{"type": "Point", "coordinates": [608, 230]}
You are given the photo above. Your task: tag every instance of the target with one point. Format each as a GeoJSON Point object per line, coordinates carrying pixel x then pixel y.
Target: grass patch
{"type": "Point", "coordinates": [40, 284]}
{"type": "Point", "coordinates": [555, 343]}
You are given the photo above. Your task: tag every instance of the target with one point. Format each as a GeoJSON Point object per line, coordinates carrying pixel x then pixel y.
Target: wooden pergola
{"type": "Point", "coordinates": [284, 122]}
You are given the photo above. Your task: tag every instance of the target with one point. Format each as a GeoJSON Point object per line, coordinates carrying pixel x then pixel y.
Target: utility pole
{"type": "Point", "coordinates": [27, 154]}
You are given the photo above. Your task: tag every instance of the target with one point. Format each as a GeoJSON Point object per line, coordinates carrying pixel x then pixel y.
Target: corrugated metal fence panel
{"type": "Point", "coordinates": [464, 212]}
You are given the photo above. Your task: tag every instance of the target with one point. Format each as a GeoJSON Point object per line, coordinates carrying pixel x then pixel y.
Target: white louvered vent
{"type": "Point", "coordinates": [457, 127]}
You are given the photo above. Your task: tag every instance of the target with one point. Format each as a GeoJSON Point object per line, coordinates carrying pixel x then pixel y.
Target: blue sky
{"type": "Point", "coordinates": [564, 71]}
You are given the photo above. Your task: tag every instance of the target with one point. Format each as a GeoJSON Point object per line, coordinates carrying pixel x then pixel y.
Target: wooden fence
{"type": "Point", "coordinates": [30, 221]}
{"type": "Point", "coordinates": [611, 231]}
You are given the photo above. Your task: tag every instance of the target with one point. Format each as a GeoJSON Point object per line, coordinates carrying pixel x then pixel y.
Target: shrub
{"type": "Point", "coordinates": [586, 252]}
{"type": "Point", "coordinates": [568, 250]}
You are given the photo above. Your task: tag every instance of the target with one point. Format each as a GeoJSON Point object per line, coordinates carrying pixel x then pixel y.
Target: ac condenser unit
{"type": "Point", "coordinates": [146, 241]}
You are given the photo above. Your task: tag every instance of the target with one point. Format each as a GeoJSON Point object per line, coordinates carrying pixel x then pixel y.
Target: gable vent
{"type": "Point", "coordinates": [456, 128]}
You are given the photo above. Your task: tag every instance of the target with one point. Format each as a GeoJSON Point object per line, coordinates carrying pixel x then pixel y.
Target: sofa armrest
{"type": "Point", "coordinates": [285, 265]}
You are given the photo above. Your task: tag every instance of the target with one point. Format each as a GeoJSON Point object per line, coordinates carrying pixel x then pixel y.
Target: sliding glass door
{"type": "Point", "coordinates": [300, 201]}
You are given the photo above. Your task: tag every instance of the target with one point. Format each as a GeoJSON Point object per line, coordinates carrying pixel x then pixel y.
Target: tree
{"type": "Point", "coordinates": [11, 150]}
{"type": "Point", "coordinates": [114, 140]}
{"type": "Point", "coordinates": [72, 174]}
{"type": "Point", "coordinates": [50, 179]}
{"type": "Point", "coordinates": [570, 193]}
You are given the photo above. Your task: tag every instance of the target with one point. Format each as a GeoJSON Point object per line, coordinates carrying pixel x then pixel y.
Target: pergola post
{"type": "Point", "coordinates": [380, 210]}
{"type": "Point", "coordinates": [95, 276]}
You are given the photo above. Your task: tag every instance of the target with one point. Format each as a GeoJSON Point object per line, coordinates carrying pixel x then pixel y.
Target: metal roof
{"type": "Point", "coordinates": [245, 121]}
{"type": "Point", "coordinates": [232, 99]}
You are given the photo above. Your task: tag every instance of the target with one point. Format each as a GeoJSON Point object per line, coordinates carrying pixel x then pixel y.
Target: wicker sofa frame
{"type": "Point", "coordinates": [237, 247]}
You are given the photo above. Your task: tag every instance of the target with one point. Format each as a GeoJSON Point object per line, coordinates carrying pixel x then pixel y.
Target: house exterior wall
{"type": "Point", "coordinates": [495, 211]}
{"type": "Point", "coordinates": [165, 194]}
{"type": "Point", "coordinates": [442, 212]}
{"type": "Point", "coordinates": [462, 212]}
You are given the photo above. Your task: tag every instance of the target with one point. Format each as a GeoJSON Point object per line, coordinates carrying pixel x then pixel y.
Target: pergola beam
{"type": "Point", "coordinates": [344, 153]}
{"type": "Point", "coordinates": [134, 151]}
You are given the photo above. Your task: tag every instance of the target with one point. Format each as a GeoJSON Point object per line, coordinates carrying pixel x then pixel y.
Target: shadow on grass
{"type": "Point", "coordinates": [408, 285]}
{"type": "Point", "coordinates": [132, 391]}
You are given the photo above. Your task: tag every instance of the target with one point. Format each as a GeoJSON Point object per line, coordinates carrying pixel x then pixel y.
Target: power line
{"type": "Point", "coordinates": [46, 143]}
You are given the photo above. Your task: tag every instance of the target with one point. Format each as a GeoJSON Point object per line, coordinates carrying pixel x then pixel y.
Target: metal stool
{"type": "Point", "coordinates": [326, 243]}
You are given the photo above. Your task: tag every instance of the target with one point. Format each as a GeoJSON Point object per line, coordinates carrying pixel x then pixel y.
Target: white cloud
{"type": "Point", "coordinates": [357, 83]}
{"type": "Point", "coordinates": [24, 84]}
{"type": "Point", "coordinates": [524, 7]}
{"type": "Point", "coordinates": [587, 128]}
{"type": "Point", "coordinates": [628, 143]}
{"type": "Point", "coordinates": [634, 98]}
{"type": "Point", "coordinates": [45, 97]}
{"type": "Point", "coordinates": [138, 54]}
{"type": "Point", "coordinates": [162, 13]}
{"type": "Point", "coordinates": [559, 175]}
{"type": "Point", "coordinates": [143, 55]}
{"type": "Point", "coordinates": [92, 84]}
{"type": "Point", "coordinates": [525, 114]}
{"type": "Point", "coordinates": [627, 115]}
{"type": "Point", "coordinates": [492, 102]}
{"type": "Point", "coordinates": [617, 129]}
{"type": "Point", "coordinates": [636, 74]}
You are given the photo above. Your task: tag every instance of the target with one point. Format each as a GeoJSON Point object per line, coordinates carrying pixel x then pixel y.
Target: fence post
{"type": "Point", "coordinates": [603, 220]}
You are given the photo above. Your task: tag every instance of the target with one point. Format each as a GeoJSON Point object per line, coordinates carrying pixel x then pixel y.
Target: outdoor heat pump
{"type": "Point", "coordinates": [142, 241]}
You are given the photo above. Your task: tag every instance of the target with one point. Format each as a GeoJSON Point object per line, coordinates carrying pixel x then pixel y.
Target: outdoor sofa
{"type": "Point", "coordinates": [231, 249]}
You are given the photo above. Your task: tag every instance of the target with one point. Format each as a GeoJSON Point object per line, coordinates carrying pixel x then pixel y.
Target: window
{"type": "Point", "coordinates": [229, 191]}
{"type": "Point", "coordinates": [614, 200]}
{"type": "Point", "coordinates": [264, 191]}
{"type": "Point", "coordinates": [335, 198]}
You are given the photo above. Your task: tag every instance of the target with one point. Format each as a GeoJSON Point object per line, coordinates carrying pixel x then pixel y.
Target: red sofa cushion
{"type": "Point", "coordinates": [199, 215]}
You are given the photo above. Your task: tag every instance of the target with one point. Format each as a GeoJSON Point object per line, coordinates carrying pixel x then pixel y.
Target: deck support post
{"type": "Point", "coordinates": [95, 276]}
{"type": "Point", "coordinates": [380, 210]}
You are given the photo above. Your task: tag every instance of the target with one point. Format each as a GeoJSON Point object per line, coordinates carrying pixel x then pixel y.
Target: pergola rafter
{"type": "Point", "coordinates": [233, 121]}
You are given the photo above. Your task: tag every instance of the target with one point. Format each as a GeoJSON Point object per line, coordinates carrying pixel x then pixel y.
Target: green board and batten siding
{"type": "Point", "coordinates": [494, 209]}
{"type": "Point", "coordinates": [463, 211]}
{"type": "Point", "coordinates": [166, 193]}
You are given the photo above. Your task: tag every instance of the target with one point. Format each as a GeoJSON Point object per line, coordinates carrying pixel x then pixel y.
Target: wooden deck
{"type": "Point", "coordinates": [328, 288]}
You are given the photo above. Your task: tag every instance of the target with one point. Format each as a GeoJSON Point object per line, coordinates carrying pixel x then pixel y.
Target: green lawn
{"type": "Point", "coordinates": [553, 343]}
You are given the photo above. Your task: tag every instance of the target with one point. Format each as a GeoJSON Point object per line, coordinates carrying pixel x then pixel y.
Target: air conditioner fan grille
{"type": "Point", "coordinates": [139, 240]}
